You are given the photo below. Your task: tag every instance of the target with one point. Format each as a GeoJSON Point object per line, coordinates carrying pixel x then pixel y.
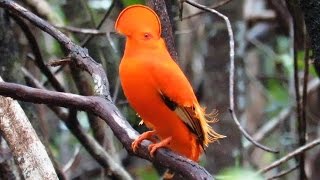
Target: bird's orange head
{"type": "Point", "coordinates": [138, 21]}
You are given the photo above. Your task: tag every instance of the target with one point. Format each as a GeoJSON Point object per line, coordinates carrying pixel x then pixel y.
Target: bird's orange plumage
{"type": "Point", "coordinates": [157, 89]}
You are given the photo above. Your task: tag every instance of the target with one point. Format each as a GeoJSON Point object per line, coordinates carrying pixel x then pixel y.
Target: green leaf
{"type": "Point", "coordinates": [131, 2]}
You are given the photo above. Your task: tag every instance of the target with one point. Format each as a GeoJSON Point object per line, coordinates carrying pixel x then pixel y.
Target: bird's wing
{"type": "Point", "coordinates": [177, 94]}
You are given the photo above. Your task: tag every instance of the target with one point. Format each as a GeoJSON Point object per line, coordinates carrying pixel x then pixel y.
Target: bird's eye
{"type": "Point", "coordinates": [147, 36]}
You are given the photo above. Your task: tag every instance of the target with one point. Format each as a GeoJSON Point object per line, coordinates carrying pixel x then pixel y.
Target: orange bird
{"type": "Point", "coordinates": [158, 90]}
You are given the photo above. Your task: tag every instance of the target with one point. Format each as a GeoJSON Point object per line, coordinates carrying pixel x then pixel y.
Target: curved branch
{"type": "Point", "coordinates": [91, 145]}
{"type": "Point", "coordinates": [78, 54]}
{"type": "Point", "coordinates": [290, 155]}
{"type": "Point", "coordinates": [89, 37]}
{"type": "Point", "coordinates": [111, 115]}
{"type": "Point", "coordinates": [231, 77]}
{"type": "Point", "coordinates": [37, 53]}
{"type": "Point", "coordinates": [214, 6]}
{"type": "Point", "coordinates": [101, 105]}
{"type": "Point", "coordinates": [283, 173]}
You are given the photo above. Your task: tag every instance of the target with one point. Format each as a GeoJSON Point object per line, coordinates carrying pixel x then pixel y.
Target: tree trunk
{"type": "Point", "coordinates": [28, 151]}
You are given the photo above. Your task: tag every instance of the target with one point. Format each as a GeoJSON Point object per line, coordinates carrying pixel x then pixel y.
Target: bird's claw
{"type": "Point", "coordinates": [149, 135]}
{"type": "Point", "coordinates": [153, 147]}
{"type": "Point", "coordinates": [135, 144]}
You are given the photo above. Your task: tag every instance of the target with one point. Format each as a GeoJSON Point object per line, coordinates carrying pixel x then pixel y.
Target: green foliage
{"type": "Point", "coordinates": [279, 96]}
{"type": "Point", "coordinates": [301, 63]}
{"type": "Point", "coordinates": [58, 15]}
{"type": "Point", "coordinates": [238, 174]}
{"type": "Point", "coordinates": [278, 70]}
{"type": "Point", "coordinates": [131, 2]}
{"type": "Point", "coordinates": [147, 173]}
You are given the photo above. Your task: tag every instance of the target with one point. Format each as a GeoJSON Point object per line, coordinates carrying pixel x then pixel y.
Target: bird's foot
{"type": "Point", "coordinates": [149, 135]}
{"type": "Point", "coordinates": [153, 147]}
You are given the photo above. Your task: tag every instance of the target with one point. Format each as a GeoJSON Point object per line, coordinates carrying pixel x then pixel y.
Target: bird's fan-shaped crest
{"type": "Point", "coordinates": [138, 18]}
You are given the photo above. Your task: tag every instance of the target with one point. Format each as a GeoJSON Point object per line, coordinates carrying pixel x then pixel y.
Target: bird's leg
{"type": "Point", "coordinates": [149, 135]}
{"type": "Point", "coordinates": [163, 143]}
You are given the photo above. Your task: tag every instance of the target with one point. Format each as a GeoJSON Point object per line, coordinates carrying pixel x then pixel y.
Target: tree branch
{"type": "Point", "coordinates": [109, 113]}
{"type": "Point", "coordinates": [37, 53]}
{"type": "Point", "coordinates": [159, 6]}
{"type": "Point", "coordinates": [90, 144]}
{"type": "Point", "coordinates": [78, 54]}
{"type": "Point", "coordinates": [290, 155]}
{"type": "Point", "coordinates": [101, 105]}
{"type": "Point", "coordinates": [92, 32]}
{"type": "Point", "coordinates": [283, 173]}
{"type": "Point", "coordinates": [311, 11]}
{"type": "Point", "coordinates": [214, 6]}
{"type": "Point", "coordinates": [231, 77]}
{"type": "Point", "coordinates": [297, 25]}
{"type": "Point", "coordinates": [89, 37]}
{"type": "Point", "coordinates": [28, 151]}
{"type": "Point", "coordinates": [269, 127]}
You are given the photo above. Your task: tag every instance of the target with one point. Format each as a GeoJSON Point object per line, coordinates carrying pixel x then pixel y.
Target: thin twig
{"type": "Point", "coordinates": [214, 6]}
{"type": "Point", "coordinates": [89, 37]}
{"type": "Point", "coordinates": [59, 62]}
{"type": "Point", "coordinates": [78, 54]}
{"type": "Point", "coordinates": [297, 30]}
{"type": "Point", "coordinates": [231, 77]}
{"type": "Point", "coordinates": [72, 160]}
{"type": "Point", "coordinates": [283, 173]}
{"type": "Point", "coordinates": [290, 155]}
{"type": "Point", "coordinates": [305, 86]}
{"type": "Point", "coordinates": [37, 53]}
{"type": "Point", "coordinates": [80, 30]}
{"type": "Point", "coordinates": [94, 149]}
{"type": "Point", "coordinates": [101, 104]}
{"type": "Point", "coordinates": [98, 126]}
{"type": "Point", "coordinates": [269, 126]}
{"type": "Point", "coordinates": [111, 115]}
{"type": "Point", "coordinates": [116, 91]}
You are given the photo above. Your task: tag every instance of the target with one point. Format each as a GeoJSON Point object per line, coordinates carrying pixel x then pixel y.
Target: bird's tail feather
{"type": "Point", "coordinates": [167, 175]}
{"type": "Point", "coordinates": [206, 119]}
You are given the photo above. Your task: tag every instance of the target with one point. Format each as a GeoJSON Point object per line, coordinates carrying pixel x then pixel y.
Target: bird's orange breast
{"type": "Point", "coordinates": [143, 95]}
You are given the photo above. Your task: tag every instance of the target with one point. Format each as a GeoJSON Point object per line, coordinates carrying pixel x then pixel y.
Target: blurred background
{"type": "Point", "coordinates": [265, 93]}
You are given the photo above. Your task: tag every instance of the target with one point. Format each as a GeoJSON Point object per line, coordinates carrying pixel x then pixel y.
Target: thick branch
{"type": "Point", "coordinates": [37, 53]}
{"type": "Point", "coordinates": [102, 107]}
{"type": "Point", "coordinates": [160, 8]}
{"type": "Point", "coordinates": [111, 115]}
{"type": "Point", "coordinates": [311, 11]}
{"type": "Point", "coordinates": [28, 151]}
{"type": "Point", "coordinates": [78, 54]}
{"type": "Point", "coordinates": [95, 150]}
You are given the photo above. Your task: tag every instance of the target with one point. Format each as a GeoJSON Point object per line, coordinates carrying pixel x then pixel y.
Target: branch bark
{"type": "Point", "coordinates": [290, 155]}
{"type": "Point", "coordinates": [106, 160]}
{"type": "Point", "coordinates": [311, 11]}
{"type": "Point", "coordinates": [159, 6]}
{"type": "Point", "coordinates": [100, 105]}
{"type": "Point", "coordinates": [109, 113]}
{"type": "Point", "coordinates": [231, 76]}
{"type": "Point", "coordinates": [28, 151]}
